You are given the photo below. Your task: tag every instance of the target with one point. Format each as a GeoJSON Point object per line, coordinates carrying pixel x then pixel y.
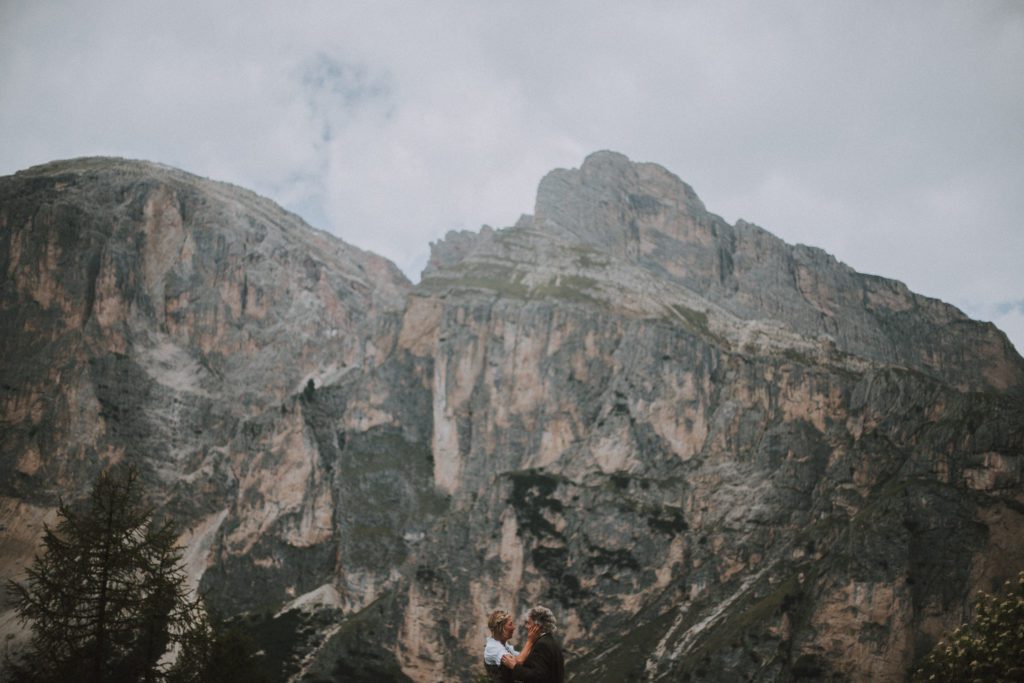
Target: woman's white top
{"type": "Point", "coordinates": [495, 650]}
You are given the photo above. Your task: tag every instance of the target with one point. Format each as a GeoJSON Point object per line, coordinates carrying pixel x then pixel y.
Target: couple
{"type": "Point", "coordinates": [541, 659]}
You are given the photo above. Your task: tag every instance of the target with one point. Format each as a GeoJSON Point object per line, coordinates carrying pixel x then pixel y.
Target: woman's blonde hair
{"type": "Point", "coordinates": [496, 621]}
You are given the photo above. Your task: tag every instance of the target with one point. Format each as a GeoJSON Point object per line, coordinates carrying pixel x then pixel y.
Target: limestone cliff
{"type": "Point", "coordinates": [155, 316]}
{"type": "Point", "coordinates": [705, 449]}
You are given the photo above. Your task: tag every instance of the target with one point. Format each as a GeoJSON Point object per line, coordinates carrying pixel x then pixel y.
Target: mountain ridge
{"type": "Point", "coordinates": [723, 453]}
{"type": "Point", "coordinates": [725, 261]}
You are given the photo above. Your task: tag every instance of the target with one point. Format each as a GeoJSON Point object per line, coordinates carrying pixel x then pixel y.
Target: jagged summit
{"type": "Point", "coordinates": [609, 202]}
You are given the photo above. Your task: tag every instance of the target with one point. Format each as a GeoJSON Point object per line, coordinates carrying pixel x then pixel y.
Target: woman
{"type": "Point", "coordinates": [497, 647]}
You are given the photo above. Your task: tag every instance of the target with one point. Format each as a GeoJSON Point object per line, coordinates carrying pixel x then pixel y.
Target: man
{"type": "Point", "coordinates": [545, 664]}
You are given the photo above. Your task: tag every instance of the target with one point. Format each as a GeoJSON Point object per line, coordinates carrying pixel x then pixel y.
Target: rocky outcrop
{"type": "Point", "coordinates": [705, 449]}
{"type": "Point", "coordinates": [157, 317]}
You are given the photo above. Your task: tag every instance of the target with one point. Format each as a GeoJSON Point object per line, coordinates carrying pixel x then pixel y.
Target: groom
{"type": "Point", "coordinates": [545, 663]}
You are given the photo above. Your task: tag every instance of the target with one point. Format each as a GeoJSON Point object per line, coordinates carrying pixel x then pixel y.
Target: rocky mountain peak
{"type": "Point", "coordinates": [636, 238]}
{"type": "Point", "coordinates": [609, 202]}
{"type": "Point", "coordinates": [129, 280]}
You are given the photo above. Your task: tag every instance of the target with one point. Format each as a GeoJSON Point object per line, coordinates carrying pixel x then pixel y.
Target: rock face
{"type": "Point", "coordinates": [712, 454]}
{"type": "Point", "coordinates": [151, 315]}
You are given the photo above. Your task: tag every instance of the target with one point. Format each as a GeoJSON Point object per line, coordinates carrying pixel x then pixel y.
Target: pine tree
{"type": "Point", "coordinates": [107, 598]}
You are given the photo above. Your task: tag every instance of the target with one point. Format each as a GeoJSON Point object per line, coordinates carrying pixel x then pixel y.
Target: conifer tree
{"type": "Point", "coordinates": [107, 598]}
{"type": "Point", "coordinates": [215, 652]}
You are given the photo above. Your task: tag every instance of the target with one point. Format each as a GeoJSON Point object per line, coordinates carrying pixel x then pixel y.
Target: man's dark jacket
{"type": "Point", "coordinates": [545, 663]}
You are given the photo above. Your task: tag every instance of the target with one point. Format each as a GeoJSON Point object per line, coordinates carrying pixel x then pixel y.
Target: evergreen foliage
{"type": "Point", "coordinates": [990, 648]}
{"type": "Point", "coordinates": [107, 600]}
{"type": "Point", "coordinates": [214, 652]}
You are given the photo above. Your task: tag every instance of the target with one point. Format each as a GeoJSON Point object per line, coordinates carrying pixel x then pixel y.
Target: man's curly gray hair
{"type": "Point", "coordinates": [544, 618]}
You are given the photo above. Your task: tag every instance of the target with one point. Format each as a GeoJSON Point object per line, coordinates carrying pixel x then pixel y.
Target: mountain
{"type": "Point", "coordinates": [711, 453]}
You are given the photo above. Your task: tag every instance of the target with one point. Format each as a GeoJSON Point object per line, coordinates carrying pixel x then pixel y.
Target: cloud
{"type": "Point", "coordinates": [887, 135]}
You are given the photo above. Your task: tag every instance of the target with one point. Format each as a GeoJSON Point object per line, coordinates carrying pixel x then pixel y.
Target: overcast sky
{"type": "Point", "coordinates": [890, 134]}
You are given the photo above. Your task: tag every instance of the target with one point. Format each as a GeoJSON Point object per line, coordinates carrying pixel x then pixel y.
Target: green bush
{"type": "Point", "coordinates": [989, 649]}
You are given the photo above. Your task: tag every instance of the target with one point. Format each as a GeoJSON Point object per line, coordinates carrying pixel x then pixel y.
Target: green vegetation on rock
{"type": "Point", "coordinates": [989, 648]}
{"type": "Point", "coordinates": [508, 282]}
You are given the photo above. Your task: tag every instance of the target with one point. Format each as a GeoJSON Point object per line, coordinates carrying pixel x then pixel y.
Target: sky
{"type": "Point", "coordinates": [890, 134]}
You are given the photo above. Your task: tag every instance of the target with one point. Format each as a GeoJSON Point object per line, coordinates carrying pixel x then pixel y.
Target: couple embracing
{"type": "Point", "coordinates": [541, 659]}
